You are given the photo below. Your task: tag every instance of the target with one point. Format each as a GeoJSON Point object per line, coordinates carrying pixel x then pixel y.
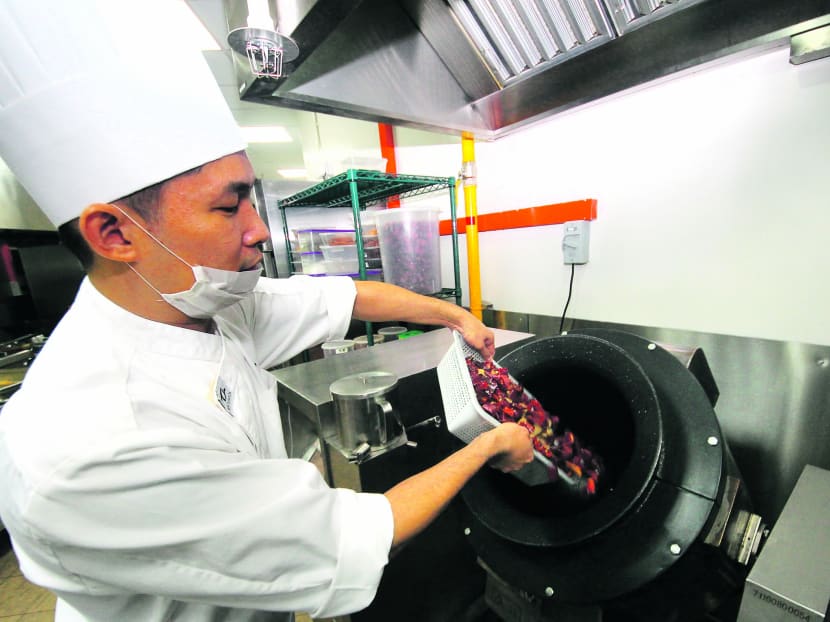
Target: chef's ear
{"type": "Point", "coordinates": [109, 233]}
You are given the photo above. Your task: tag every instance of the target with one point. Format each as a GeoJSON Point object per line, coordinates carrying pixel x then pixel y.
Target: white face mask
{"type": "Point", "coordinates": [212, 290]}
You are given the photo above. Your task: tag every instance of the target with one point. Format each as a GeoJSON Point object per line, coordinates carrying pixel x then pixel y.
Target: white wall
{"type": "Point", "coordinates": [713, 197]}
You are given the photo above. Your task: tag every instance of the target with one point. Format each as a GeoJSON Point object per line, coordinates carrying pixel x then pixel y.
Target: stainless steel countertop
{"type": "Point", "coordinates": [306, 386]}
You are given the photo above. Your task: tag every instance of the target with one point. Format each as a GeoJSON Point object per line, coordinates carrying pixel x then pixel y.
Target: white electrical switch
{"type": "Point", "coordinates": [576, 235]}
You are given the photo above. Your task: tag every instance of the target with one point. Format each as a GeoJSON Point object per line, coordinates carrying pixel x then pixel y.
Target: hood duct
{"type": "Point", "coordinates": [492, 66]}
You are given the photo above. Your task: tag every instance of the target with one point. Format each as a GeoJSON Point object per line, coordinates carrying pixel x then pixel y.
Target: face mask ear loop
{"type": "Point", "coordinates": [152, 237]}
{"type": "Point", "coordinates": [150, 285]}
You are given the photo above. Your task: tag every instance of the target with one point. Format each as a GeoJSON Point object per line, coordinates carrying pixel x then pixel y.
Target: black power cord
{"type": "Point", "coordinates": [567, 302]}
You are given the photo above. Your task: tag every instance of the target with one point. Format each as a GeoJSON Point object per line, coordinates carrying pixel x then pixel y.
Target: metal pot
{"type": "Point", "coordinates": [362, 410]}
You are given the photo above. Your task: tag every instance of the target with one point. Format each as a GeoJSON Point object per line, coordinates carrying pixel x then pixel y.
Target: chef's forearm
{"type": "Point", "coordinates": [377, 302]}
{"type": "Point", "coordinates": [418, 500]}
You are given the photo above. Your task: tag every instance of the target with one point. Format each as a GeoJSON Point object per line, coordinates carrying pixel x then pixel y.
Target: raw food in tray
{"type": "Point", "coordinates": [504, 399]}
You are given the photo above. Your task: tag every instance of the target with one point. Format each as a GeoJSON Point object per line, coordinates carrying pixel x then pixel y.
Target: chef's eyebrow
{"type": "Point", "coordinates": [242, 188]}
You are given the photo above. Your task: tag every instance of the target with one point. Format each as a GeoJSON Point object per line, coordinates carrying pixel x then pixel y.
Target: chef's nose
{"type": "Point", "coordinates": [256, 231]}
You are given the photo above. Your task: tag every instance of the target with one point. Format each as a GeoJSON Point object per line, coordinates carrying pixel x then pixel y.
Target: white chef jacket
{"type": "Point", "coordinates": [143, 474]}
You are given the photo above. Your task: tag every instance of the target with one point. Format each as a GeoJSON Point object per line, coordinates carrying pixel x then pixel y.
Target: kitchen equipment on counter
{"type": "Point", "coordinates": [392, 332]}
{"type": "Point", "coordinates": [367, 423]}
{"type": "Point", "coordinates": [791, 578]}
{"type": "Point", "coordinates": [362, 341]}
{"type": "Point", "coordinates": [659, 539]}
{"type": "Point", "coordinates": [337, 346]}
{"type": "Point", "coordinates": [662, 537]}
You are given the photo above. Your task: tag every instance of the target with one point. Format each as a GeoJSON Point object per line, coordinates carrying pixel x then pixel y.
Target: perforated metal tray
{"type": "Point", "coordinates": [466, 419]}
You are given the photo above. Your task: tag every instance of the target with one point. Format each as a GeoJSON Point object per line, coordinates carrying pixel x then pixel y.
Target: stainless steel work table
{"type": "Point", "coordinates": [304, 388]}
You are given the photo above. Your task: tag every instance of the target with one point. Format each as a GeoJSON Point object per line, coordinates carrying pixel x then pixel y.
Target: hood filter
{"type": "Point", "coordinates": [517, 37]}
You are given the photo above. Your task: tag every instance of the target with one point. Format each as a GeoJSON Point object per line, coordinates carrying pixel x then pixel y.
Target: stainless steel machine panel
{"type": "Point", "coordinates": [791, 578]}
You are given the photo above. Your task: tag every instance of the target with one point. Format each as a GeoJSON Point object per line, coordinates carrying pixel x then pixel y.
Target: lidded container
{"type": "Point", "coordinates": [410, 247]}
{"type": "Point", "coordinates": [363, 412]}
{"type": "Point", "coordinates": [391, 333]}
{"type": "Point", "coordinates": [338, 346]}
{"type": "Point", "coordinates": [362, 341]}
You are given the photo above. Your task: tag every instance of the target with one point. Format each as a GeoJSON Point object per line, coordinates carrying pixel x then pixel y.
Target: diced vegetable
{"type": "Point", "coordinates": [505, 400]}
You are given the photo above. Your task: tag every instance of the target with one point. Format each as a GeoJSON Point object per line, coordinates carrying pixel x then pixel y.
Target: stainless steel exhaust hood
{"type": "Point", "coordinates": [492, 66]}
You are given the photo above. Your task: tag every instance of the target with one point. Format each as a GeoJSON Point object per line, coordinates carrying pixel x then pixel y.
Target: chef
{"type": "Point", "coordinates": [142, 465]}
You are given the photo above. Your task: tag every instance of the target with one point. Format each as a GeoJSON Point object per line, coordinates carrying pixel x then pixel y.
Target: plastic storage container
{"type": "Point", "coordinates": [391, 333]}
{"type": "Point", "coordinates": [334, 237]}
{"type": "Point", "coordinates": [371, 252]}
{"type": "Point", "coordinates": [340, 259]}
{"type": "Point", "coordinates": [340, 346]}
{"type": "Point", "coordinates": [307, 240]}
{"type": "Point", "coordinates": [410, 248]}
{"type": "Point", "coordinates": [362, 341]}
{"type": "Point", "coordinates": [313, 263]}
{"type": "Point", "coordinates": [310, 240]}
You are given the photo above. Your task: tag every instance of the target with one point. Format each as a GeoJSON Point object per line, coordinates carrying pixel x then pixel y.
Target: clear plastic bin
{"type": "Point", "coordinates": [313, 263]}
{"type": "Point", "coordinates": [340, 259]}
{"type": "Point", "coordinates": [410, 247]}
{"type": "Point", "coordinates": [334, 237]}
{"type": "Point", "coordinates": [372, 256]}
{"type": "Point", "coordinates": [310, 240]}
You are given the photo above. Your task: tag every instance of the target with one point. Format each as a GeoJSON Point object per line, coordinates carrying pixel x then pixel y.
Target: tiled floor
{"type": "Point", "coordinates": [20, 601]}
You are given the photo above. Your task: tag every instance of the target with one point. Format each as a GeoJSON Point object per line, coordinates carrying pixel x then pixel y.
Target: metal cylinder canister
{"type": "Point", "coordinates": [363, 411]}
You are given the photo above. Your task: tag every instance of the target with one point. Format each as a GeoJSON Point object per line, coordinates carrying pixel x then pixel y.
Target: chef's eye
{"type": "Point", "coordinates": [229, 209]}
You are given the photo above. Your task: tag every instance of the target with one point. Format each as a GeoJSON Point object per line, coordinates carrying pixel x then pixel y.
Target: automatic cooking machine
{"type": "Point", "coordinates": [669, 532]}
{"type": "Point", "coordinates": [667, 537]}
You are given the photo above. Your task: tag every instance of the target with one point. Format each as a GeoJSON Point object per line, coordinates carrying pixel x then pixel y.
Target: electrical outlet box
{"type": "Point", "coordinates": [575, 238]}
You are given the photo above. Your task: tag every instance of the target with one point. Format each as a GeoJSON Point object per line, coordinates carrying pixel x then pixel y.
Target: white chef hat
{"type": "Point", "coordinates": [95, 106]}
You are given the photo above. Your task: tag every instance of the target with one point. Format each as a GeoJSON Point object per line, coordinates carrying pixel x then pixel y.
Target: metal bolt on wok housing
{"type": "Point", "coordinates": [549, 591]}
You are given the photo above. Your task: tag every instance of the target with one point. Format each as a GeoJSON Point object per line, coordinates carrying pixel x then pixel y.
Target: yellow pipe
{"type": "Point", "coordinates": [468, 177]}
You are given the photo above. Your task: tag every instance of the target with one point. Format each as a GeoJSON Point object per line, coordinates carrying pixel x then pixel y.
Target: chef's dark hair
{"type": "Point", "coordinates": [144, 201]}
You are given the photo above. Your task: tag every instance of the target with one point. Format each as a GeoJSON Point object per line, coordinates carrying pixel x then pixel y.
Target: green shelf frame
{"type": "Point", "coordinates": [370, 186]}
{"type": "Point", "coordinates": [358, 189]}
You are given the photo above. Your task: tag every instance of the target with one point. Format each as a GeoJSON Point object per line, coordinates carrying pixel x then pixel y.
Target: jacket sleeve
{"type": "Point", "coordinates": [284, 317]}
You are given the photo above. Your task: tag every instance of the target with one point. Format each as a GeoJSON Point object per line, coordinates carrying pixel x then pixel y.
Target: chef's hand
{"type": "Point", "coordinates": [512, 446]}
{"type": "Point", "coordinates": [477, 335]}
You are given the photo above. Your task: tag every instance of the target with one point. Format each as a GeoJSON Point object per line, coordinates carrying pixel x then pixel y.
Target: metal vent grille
{"type": "Point", "coordinates": [630, 14]}
{"type": "Point", "coordinates": [517, 37]}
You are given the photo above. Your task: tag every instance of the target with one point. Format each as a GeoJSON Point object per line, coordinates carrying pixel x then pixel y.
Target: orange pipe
{"type": "Point", "coordinates": [386, 133]}
{"type": "Point", "coordinates": [469, 181]}
{"type": "Point", "coordinates": [552, 214]}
